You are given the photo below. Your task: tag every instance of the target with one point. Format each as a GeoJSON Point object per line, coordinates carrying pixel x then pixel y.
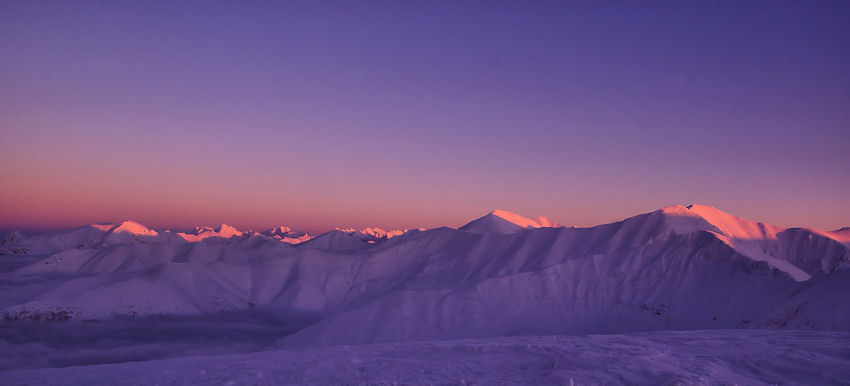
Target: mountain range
{"type": "Point", "coordinates": [676, 268]}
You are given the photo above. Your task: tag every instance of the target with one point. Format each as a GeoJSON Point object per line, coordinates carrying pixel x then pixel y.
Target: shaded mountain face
{"type": "Point", "coordinates": [675, 268]}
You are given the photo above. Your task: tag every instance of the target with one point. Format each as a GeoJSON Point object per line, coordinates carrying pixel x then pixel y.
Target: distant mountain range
{"type": "Point", "coordinates": [680, 267]}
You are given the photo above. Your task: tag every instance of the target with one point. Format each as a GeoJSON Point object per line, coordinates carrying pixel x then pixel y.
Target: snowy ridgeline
{"type": "Point", "coordinates": [748, 357]}
{"type": "Point", "coordinates": [678, 268]}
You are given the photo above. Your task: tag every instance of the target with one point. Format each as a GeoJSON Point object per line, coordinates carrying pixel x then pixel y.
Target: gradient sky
{"type": "Point", "coordinates": [407, 114]}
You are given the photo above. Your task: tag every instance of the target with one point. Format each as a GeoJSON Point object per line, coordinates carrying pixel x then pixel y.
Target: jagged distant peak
{"type": "Point", "coordinates": [381, 233]}
{"type": "Point", "coordinates": [280, 230]}
{"type": "Point", "coordinates": [221, 229]}
{"type": "Point", "coordinates": [374, 232]}
{"type": "Point", "coordinates": [203, 232]}
{"type": "Point", "coordinates": [287, 235]}
{"type": "Point", "coordinates": [227, 229]}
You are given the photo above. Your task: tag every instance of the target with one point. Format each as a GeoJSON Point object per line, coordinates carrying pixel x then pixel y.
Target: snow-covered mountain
{"type": "Point", "coordinates": [500, 222]}
{"type": "Point", "coordinates": [374, 233]}
{"type": "Point", "coordinates": [90, 236]}
{"type": "Point", "coordinates": [223, 231]}
{"type": "Point", "coordinates": [287, 235]}
{"type": "Point", "coordinates": [344, 239]}
{"type": "Point", "coordinates": [679, 267]}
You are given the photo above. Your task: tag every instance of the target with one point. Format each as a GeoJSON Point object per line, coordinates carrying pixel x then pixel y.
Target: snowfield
{"type": "Point", "coordinates": [749, 357]}
{"type": "Point", "coordinates": [675, 281]}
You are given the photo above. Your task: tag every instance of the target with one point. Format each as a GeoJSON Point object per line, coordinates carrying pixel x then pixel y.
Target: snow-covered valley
{"type": "Point", "coordinates": [745, 357]}
{"type": "Point", "coordinates": [695, 275]}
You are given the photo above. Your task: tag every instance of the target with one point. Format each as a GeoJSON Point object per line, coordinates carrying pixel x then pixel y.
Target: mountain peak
{"type": "Point", "coordinates": [745, 236]}
{"type": "Point", "coordinates": [281, 230]}
{"type": "Point", "coordinates": [133, 228]}
{"type": "Point", "coordinates": [287, 235]}
{"type": "Point", "coordinates": [504, 222]}
{"type": "Point", "coordinates": [201, 233]}
{"type": "Point", "coordinates": [684, 219]}
{"type": "Point", "coordinates": [381, 233]}
{"type": "Point", "coordinates": [734, 226]}
{"type": "Point", "coordinates": [227, 231]}
{"type": "Point", "coordinates": [524, 222]}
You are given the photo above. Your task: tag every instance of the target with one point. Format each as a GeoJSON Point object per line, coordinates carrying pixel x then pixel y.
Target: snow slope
{"type": "Point", "coordinates": [744, 357]}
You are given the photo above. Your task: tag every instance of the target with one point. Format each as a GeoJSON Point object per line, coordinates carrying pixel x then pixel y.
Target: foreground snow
{"type": "Point", "coordinates": [718, 356]}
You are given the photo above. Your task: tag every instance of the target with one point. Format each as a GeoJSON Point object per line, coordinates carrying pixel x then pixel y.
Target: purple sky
{"type": "Point", "coordinates": [402, 114]}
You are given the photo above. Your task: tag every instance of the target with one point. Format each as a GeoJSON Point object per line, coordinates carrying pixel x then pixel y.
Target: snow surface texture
{"type": "Point", "coordinates": [677, 268]}
{"type": "Point", "coordinates": [669, 357]}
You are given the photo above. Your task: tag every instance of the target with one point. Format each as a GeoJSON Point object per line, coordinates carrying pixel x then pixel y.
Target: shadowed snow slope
{"type": "Point", "coordinates": [675, 268]}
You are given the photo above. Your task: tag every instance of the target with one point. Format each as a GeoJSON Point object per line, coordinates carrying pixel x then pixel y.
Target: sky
{"type": "Point", "coordinates": [402, 114]}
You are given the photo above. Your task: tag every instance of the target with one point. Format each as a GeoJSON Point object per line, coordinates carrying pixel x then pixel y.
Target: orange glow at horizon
{"type": "Point", "coordinates": [420, 116]}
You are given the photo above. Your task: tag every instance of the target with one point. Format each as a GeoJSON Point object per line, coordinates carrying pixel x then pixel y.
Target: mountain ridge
{"type": "Point", "coordinates": [667, 269]}
{"type": "Point", "coordinates": [501, 221]}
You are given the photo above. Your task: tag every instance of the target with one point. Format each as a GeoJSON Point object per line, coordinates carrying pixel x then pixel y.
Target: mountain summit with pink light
{"type": "Point", "coordinates": [504, 222]}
